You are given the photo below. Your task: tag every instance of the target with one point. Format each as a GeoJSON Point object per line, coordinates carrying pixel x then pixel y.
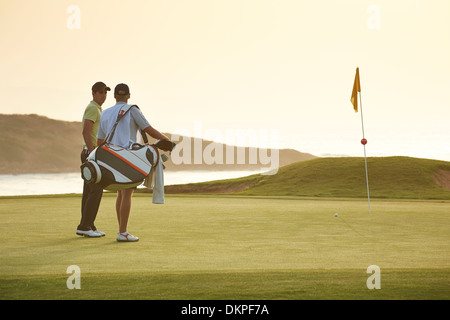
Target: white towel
{"type": "Point", "coordinates": [155, 181]}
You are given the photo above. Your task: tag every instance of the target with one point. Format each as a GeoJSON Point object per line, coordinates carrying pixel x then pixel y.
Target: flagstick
{"type": "Point", "coordinates": [365, 158]}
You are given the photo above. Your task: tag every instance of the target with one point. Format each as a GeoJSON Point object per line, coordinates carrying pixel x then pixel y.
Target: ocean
{"type": "Point", "coordinates": [64, 183]}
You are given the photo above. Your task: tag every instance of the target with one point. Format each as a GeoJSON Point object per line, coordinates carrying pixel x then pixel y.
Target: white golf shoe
{"type": "Point", "coordinates": [88, 234]}
{"type": "Point", "coordinates": [126, 237]}
{"type": "Point", "coordinates": [100, 233]}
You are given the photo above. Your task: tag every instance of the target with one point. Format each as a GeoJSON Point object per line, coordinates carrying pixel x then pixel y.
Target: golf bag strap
{"type": "Point", "coordinates": [119, 117]}
{"type": "Point", "coordinates": [144, 137]}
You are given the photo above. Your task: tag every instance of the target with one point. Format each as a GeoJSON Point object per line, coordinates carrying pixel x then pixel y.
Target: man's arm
{"type": "Point", "coordinates": [100, 141]}
{"type": "Point", "coordinates": [155, 133]}
{"type": "Point", "coordinates": [142, 122]}
{"type": "Point", "coordinates": [87, 129]}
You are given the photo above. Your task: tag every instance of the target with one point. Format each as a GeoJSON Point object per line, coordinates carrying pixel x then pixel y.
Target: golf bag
{"type": "Point", "coordinates": [117, 168]}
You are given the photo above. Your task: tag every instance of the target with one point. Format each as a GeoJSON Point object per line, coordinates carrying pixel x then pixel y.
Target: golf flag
{"type": "Point", "coordinates": [356, 89]}
{"type": "Point", "coordinates": [354, 101]}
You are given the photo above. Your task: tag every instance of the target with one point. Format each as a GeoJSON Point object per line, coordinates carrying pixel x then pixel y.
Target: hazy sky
{"type": "Point", "coordinates": [285, 65]}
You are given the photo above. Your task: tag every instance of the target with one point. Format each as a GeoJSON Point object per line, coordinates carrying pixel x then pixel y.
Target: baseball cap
{"type": "Point", "coordinates": [122, 89]}
{"type": "Point", "coordinates": [100, 86]}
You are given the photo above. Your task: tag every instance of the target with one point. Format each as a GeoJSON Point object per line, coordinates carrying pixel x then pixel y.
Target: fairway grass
{"type": "Point", "coordinates": [227, 247]}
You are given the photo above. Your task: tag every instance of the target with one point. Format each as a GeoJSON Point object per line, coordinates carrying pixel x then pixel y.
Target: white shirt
{"type": "Point", "coordinates": [125, 134]}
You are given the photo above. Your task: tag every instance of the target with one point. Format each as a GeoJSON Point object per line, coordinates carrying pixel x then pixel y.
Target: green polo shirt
{"type": "Point", "coordinates": [92, 112]}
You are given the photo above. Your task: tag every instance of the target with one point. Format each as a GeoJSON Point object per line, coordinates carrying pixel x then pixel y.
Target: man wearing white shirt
{"type": "Point", "coordinates": [124, 136]}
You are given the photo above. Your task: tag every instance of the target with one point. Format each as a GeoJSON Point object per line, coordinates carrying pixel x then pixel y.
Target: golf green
{"type": "Point", "coordinates": [227, 247]}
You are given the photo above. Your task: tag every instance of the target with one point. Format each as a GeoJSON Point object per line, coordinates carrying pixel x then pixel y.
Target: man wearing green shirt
{"type": "Point", "coordinates": [92, 193]}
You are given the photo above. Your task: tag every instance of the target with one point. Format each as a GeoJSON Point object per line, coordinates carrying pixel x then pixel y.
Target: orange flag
{"type": "Point", "coordinates": [356, 89]}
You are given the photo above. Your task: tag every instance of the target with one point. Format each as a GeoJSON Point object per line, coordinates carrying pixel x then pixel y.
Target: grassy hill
{"type": "Point", "coordinates": [389, 177]}
{"type": "Point", "coordinates": [37, 144]}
